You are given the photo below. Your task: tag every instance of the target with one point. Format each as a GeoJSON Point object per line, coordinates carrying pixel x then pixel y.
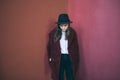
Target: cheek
{"type": "Point", "coordinates": [66, 27]}
{"type": "Point", "coordinates": [60, 27]}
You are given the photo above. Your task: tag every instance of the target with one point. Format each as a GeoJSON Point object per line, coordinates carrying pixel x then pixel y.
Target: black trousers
{"type": "Point", "coordinates": [66, 66]}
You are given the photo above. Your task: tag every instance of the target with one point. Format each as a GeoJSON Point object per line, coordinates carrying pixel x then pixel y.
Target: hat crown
{"type": "Point", "coordinates": [63, 18]}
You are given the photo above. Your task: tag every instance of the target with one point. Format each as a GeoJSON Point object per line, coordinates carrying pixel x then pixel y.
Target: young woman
{"type": "Point", "coordinates": [63, 51]}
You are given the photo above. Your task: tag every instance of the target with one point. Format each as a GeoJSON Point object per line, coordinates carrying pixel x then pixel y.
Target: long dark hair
{"type": "Point", "coordinates": [58, 33]}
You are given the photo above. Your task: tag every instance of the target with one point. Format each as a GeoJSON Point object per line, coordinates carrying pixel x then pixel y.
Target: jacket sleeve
{"type": "Point", "coordinates": [76, 50]}
{"type": "Point", "coordinates": [49, 47]}
{"type": "Point", "coordinates": [76, 44]}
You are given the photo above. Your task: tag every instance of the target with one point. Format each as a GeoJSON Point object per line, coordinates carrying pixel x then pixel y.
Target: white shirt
{"type": "Point", "coordinates": [63, 44]}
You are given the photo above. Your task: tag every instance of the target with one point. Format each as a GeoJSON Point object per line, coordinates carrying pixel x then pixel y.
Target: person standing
{"type": "Point", "coordinates": [63, 49]}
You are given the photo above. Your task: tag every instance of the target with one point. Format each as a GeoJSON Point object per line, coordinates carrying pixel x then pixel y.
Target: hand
{"type": "Point", "coordinates": [50, 59]}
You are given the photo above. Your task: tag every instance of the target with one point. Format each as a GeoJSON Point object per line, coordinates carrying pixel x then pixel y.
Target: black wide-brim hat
{"type": "Point", "coordinates": [63, 19]}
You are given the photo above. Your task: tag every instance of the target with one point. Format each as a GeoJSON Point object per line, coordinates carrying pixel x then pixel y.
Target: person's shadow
{"type": "Point", "coordinates": [49, 27]}
{"type": "Point", "coordinates": [81, 74]}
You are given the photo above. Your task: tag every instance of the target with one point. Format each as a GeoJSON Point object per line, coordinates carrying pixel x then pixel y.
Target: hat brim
{"type": "Point", "coordinates": [63, 22]}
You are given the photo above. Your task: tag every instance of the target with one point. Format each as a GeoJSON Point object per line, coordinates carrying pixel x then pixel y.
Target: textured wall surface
{"type": "Point", "coordinates": [24, 25]}
{"type": "Point", "coordinates": [97, 23]}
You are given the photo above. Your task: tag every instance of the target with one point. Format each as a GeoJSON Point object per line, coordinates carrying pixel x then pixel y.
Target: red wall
{"type": "Point", "coordinates": [24, 26]}
{"type": "Point", "coordinates": [97, 23]}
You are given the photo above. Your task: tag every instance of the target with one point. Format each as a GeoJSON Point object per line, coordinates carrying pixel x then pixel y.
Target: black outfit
{"type": "Point", "coordinates": [66, 65]}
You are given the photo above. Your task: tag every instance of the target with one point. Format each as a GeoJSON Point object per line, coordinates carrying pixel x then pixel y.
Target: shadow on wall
{"type": "Point", "coordinates": [50, 26]}
{"type": "Point", "coordinates": [81, 74]}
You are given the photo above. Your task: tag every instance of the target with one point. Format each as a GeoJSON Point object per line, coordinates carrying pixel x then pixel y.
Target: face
{"type": "Point", "coordinates": [64, 27]}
